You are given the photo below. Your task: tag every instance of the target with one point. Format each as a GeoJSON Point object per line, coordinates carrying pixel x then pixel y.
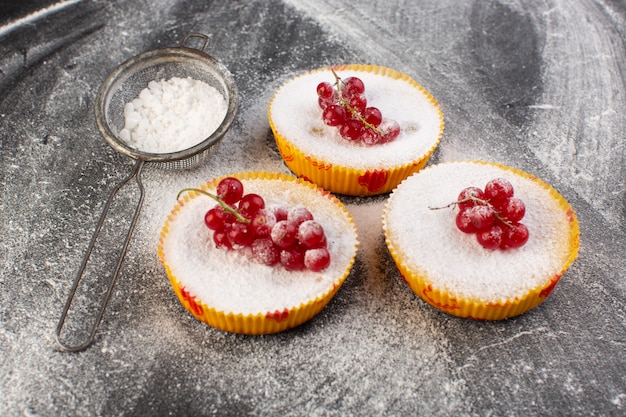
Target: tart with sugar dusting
{"type": "Point", "coordinates": [320, 152]}
{"type": "Point", "coordinates": [231, 290]}
{"type": "Point", "coordinates": [450, 270]}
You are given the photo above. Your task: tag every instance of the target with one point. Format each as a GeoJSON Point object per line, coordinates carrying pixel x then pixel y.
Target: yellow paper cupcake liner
{"type": "Point", "coordinates": [263, 322]}
{"type": "Point", "coordinates": [421, 285]}
{"type": "Point", "coordinates": [344, 179]}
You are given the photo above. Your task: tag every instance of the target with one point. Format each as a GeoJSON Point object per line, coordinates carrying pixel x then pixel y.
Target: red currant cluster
{"type": "Point", "coordinates": [344, 106]}
{"type": "Point", "coordinates": [290, 237]}
{"type": "Point", "coordinates": [493, 214]}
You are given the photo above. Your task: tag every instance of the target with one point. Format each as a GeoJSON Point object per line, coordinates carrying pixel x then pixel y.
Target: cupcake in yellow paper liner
{"type": "Point", "coordinates": [323, 155]}
{"type": "Point", "coordinates": [230, 289]}
{"type": "Point", "coordinates": [450, 269]}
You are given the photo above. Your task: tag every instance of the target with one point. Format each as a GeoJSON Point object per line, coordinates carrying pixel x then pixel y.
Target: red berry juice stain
{"type": "Point", "coordinates": [278, 315]}
{"type": "Point", "coordinates": [446, 307]}
{"type": "Point", "coordinates": [373, 180]}
{"type": "Point", "coordinates": [546, 291]}
{"type": "Point", "coordinates": [285, 151]}
{"type": "Point", "coordinates": [196, 309]}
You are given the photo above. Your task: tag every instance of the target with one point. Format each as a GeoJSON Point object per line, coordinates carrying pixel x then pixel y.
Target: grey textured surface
{"type": "Point", "coordinates": [538, 85]}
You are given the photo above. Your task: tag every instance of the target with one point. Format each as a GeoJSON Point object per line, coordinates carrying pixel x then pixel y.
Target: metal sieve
{"type": "Point", "coordinates": [122, 86]}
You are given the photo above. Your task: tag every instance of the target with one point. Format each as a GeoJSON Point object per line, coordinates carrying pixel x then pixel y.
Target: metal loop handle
{"type": "Point", "coordinates": [205, 38]}
{"type": "Point", "coordinates": [136, 173]}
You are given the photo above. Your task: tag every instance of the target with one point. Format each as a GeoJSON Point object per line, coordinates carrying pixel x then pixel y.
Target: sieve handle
{"type": "Point", "coordinates": [205, 38]}
{"type": "Point", "coordinates": [136, 173]}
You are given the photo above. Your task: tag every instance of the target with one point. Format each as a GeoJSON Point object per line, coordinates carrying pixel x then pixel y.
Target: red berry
{"type": "Point", "coordinates": [469, 194]}
{"type": "Point", "coordinates": [498, 191]}
{"type": "Point", "coordinates": [334, 115]}
{"type": "Point", "coordinates": [491, 237]}
{"type": "Point", "coordinates": [284, 233]}
{"type": "Point", "coordinates": [213, 219]}
{"type": "Point", "coordinates": [240, 234]}
{"type": "Point", "coordinates": [316, 259]}
{"type": "Point", "coordinates": [311, 234]}
{"type": "Point", "coordinates": [515, 236]}
{"type": "Point", "coordinates": [230, 190]}
{"type": "Point", "coordinates": [390, 130]}
{"type": "Point", "coordinates": [280, 213]}
{"type": "Point", "coordinates": [250, 204]}
{"type": "Point", "coordinates": [481, 216]}
{"type": "Point", "coordinates": [325, 90]}
{"type": "Point", "coordinates": [299, 214]}
{"type": "Point", "coordinates": [351, 130]}
{"type": "Point", "coordinates": [464, 222]}
{"type": "Point", "coordinates": [513, 210]}
{"type": "Point", "coordinates": [370, 137]}
{"type": "Point", "coordinates": [325, 102]}
{"type": "Point", "coordinates": [352, 86]}
{"type": "Point", "coordinates": [358, 103]}
{"type": "Point", "coordinates": [292, 259]}
{"type": "Point", "coordinates": [262, 222]}
{"type": "Point", "coordinates": [220, 238]}
{"type": "Point", "coordinates": [373, 116]}
{"type": "Point", "coordinates": [266, 252]}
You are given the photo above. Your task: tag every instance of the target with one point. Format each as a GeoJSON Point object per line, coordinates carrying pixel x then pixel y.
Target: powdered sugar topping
{"type": "Point", "coordinates": [298, 117]}
{"type": "Point", "coordinates": [232, 282]}
{"type": "Point", "coordinates": [172, 115]}
{"type": "Point", "coordinates": [454, 262]}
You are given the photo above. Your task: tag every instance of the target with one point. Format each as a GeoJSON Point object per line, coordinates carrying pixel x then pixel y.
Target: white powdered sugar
{"type": "Point", "coordinates": [232, 282]}
{"type": "Point", "coordinates": [298, 117]}
{"type": "Point", "coordinates": [454, 262]}
{"type": "Point", "coordinates": [172, 115]}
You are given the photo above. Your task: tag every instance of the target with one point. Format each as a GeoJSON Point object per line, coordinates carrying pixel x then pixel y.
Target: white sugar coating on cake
{"type": "Point", "coordinates": [231, 282]}
{"type": "Point", "coordinates": [172, 115]}
{"type": "Point", "coordinates": [453, 261]}
{"type": "Point", "coordinates": [298, 117]}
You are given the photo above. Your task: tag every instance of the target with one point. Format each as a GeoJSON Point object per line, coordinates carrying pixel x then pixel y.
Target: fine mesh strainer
{"type": "Point", "coordinates": [122, 86]}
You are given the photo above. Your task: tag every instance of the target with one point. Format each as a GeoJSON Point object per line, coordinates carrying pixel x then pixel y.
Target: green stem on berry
{"type": "Point", "coordinates": [476, 200]}
{"type": "Point", "coordinates": [352, 110]}
{"type": "Point", "coordinates": [225, 206]}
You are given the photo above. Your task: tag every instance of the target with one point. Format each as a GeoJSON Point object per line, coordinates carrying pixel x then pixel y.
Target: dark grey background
{"type": "Point", "coordinates": [538, 85]}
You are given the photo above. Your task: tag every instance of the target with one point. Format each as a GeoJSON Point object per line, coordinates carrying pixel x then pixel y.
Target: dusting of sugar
{"type": "Point", "coordinates": [453, 261]}
{"type": "Point", "coordinates": [172, 115]}
{"type": "Point", "coordinates": [230, 281]}
{"type": "Point", "coordinates": [298, 117]}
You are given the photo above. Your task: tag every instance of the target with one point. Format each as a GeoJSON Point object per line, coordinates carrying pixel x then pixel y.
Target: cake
{"type": "Point", "coordinates": [232, 291]}
{"type": "Point", "coordinates": [317, 152]}
{"type": "Point", "coordinates": [450, 270]}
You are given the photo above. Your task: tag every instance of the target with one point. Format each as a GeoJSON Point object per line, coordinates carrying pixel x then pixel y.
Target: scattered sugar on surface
{"type": "Point", "coordinates": [298, 117]}
{"type": "Point", "coordinates": [454, 261]}
{"type": "Point", "coordinates": [230, 281]}
{"type": "Point", "coordinates": [172, 115]}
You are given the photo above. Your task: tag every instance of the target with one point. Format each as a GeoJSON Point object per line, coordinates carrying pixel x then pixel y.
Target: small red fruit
{"type": "Point", "coordinates": [311, 234]}
{"type": "Point", "coordinates": [481, 216]}
{"type": "Point", "coordinates": [490, 238]}
{"type": "Point", "coordinates": [464, 222]}
{"type": "Point", "coordinates": [250, 204]}
{"type": "Point", "coordinates": [284, 233]}
{"type": "Point", "coordinates": [292, 259]}
{"type": "Point", "coordinates": [316, 260]}
{"type": "Point", "coordinates": [513, 210]}
{"type": "Point", "coordinates": [498, 191]}
{"type": "Point", "coordinates": [467, 197]}
{"type": "Point", "coordinates": [515, 236]}
{"type": "Point", "coordinates": [298, 215]}
{"type": "Point", "coordinates": [334, 115]}
{"type": "Point", "coordinates": [230, 190]}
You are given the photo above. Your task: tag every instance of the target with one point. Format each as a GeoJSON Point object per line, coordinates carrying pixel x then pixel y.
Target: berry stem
{"type": "Point", "coordinates": [225, 206]}
{"type": "Point", "coordinates": [476, 200]}
{"type": "Point", "coordinates": [352, 110]}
